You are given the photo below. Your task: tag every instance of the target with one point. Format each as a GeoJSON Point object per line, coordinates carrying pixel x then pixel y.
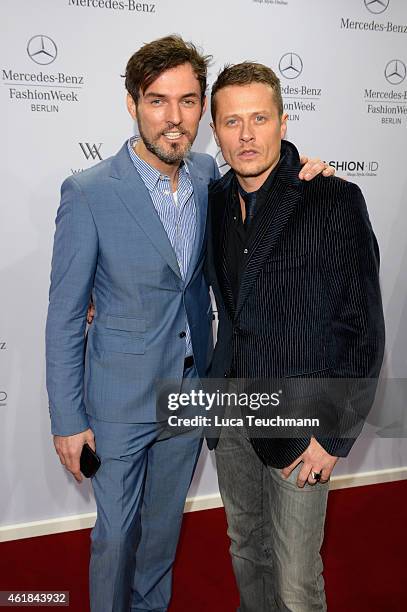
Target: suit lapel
{"type": "Point", "coordinates": [200, 188]}
{"type": "Point", "coordinates": [223, 255]}
{"type": "Point", "coordinates": [220, 212]}
{"type": "Point", "coordinates": [135, 196]}
{"type": "Point", "coordinates": [279, 206]}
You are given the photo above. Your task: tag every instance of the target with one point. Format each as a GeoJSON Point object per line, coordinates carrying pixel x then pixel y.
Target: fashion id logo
{"type": "Point", "coordinates": [353, 168]}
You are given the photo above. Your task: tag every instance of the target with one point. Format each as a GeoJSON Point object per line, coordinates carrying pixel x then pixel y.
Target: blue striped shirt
{"type": "Point", "coordinates": [177, 213]}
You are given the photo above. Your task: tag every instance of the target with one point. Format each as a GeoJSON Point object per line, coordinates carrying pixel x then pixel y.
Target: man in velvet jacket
{"type": "Point", "coordinates": [294, 270]}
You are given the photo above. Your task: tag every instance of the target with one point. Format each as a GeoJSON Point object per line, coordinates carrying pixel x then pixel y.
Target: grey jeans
{"type": "Point", "coordinates": [276, 530]}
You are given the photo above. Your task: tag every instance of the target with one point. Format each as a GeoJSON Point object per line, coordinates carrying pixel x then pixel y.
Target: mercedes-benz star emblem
{"type": "Point", "coordinates": [377, 6]}
{"type": "Point", "coordinates": [395, 72]}
{"type": "Point", "coordinates": [42, 49]}
{"type": "Point", "coordinates": [290, 65]}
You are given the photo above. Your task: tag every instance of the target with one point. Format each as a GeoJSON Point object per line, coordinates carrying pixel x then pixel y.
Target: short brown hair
{"type": "Point", "coordinates": [244, 74]}
{"type": "Point", "coordinates": [155, 57]}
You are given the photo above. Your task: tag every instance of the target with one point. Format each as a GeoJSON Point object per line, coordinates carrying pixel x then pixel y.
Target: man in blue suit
{"type": "Point", "coordinates": [130, 234]}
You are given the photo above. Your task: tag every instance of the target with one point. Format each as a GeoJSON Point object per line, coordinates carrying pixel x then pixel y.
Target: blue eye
{"type": "Point", "coordinates": [231, 122]}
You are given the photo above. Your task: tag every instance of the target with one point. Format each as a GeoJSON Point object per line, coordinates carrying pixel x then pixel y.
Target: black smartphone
{"type": "Point", "coordinates": [89, 461]}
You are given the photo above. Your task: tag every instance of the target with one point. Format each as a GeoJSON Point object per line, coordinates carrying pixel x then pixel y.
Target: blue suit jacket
{"type": "Point", "coordinates": [110, 243]}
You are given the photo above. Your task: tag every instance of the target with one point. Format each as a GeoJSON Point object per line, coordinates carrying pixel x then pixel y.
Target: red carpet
{"type": "Point", "coordinates": [364, 552]}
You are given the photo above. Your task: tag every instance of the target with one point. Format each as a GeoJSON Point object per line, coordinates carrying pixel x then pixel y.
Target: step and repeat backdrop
{"type": "Point", "coordinates": [343, 70]}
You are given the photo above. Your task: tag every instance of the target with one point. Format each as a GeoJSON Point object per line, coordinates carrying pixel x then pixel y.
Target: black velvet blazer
{"type": "Point", "coordinates": [309, 303]}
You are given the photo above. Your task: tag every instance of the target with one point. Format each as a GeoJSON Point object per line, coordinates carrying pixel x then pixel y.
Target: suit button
{"type": "Point", "coordinates": [182, 334]}
{"type": "Point", "coordinates": [226, 375]}
{"type": "Point", "coordinates": [237, 331]}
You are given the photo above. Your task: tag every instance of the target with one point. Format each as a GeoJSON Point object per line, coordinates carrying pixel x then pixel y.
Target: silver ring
{"type": "Point", "coordinates": [316, 475]}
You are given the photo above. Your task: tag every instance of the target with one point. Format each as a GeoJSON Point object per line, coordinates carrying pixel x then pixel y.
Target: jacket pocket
{"type": "Point", "coordinates": [126, 323]}
{"type": "Point", "coordinates": [112, 343]}
{"type": "Point", "coordinates": [310, 374]}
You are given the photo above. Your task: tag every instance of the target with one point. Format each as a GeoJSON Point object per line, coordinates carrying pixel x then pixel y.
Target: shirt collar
{"type": "Point", "coordinates": [267, 183]}
{"type": "Point", "coordinates": [148, 173]}
{"type": "Point", "coordinates": [262, 191]}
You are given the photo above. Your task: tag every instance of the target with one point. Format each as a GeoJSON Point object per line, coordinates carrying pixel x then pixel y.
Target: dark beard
{"type": "Point", "coordinates": [172, 157]}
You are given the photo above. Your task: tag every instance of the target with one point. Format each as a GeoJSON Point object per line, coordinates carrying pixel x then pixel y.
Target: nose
{"type": "Point", "coordinates": [173, 115]}
{"type": "Point", "coordinates": [246, 133]}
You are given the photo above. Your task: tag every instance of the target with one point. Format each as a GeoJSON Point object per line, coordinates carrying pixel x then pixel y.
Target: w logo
{"type": "Point", "coordinates": [91, 151]}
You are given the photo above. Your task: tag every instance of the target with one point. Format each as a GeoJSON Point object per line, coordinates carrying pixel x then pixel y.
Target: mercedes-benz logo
{"type": "Point", "coordinates": [395, 72]}
{"type": "Point", "coordinates": [290, 65]}
{"type": "Point", "coordinates": [376, 6]}
{"type": "Point", "coordinates": [42, 49]}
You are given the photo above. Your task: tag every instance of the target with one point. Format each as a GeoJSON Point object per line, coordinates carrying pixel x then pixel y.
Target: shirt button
{"type": "Point", "coordinates": [166, 192]}
{"type": "Point", "coordinates": [245, 251]}
{"type": "Point", "coordinates": [182, 334]}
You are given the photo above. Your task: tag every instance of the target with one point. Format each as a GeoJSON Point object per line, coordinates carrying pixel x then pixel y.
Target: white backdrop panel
{"type": "Point", "coordinates": [62, 106]}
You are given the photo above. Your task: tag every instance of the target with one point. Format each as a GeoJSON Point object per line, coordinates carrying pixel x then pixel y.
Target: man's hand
{"type": "Point", "coordinates": [314, 459]}
{"type": "Point", "coordinates": [91, 313]}
{"type": "Point", "coordinates": [312, 167]}
{"type": "Point", "coordinates": [69, 450]}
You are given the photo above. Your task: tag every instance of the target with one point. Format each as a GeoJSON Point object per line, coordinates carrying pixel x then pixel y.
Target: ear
{"type": "Point", "coordinates": [283, 128]}
{"type": "Point", "coordinates": [214, 133]}
{"type": "Point", "coordinates": [131, 107]}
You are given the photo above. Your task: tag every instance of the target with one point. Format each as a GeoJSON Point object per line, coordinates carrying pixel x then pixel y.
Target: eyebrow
{"type": "Point", "coordinates": [257, 112]}
{"type": "Point", "coordinates": [151, 94]}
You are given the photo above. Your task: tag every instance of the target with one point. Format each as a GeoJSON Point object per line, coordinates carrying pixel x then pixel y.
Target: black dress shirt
{"type": "Point", "coordinates": [238, 234]}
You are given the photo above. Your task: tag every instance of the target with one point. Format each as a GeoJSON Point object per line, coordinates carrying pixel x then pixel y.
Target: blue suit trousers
{"type": "Point", "coordinates": [140, 491]}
